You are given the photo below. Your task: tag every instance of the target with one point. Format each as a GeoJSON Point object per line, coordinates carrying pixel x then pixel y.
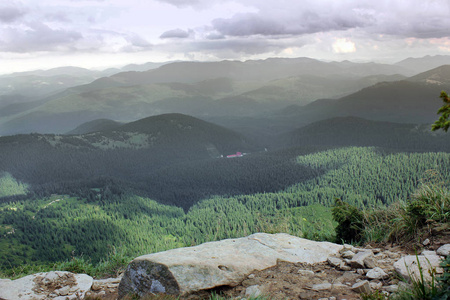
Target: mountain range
{"type": "Point", "coordinates": [261, 97]}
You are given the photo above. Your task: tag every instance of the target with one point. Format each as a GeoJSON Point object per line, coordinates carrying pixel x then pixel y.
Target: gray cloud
{"type": "Point", "coordinates": [58, 17]}
{"type": "Point", "coordinates": [421, 19]}
{"type": "Point", "coordinates": [39, 37]}
{"type": "Point", "coordinates": [215, 36]}
{"type": "Point", "coordinates": [137, 41]}
{"type": "Point", "coordinates": [303, 23]}
{"type": "Point", "coordinates": [9, 14]}
{"type": "Point", "coordinates": [175, 34]}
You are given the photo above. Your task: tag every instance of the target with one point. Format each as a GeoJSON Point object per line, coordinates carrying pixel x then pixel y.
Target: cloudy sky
{"type": "Point", "coordinates": [101, 33]}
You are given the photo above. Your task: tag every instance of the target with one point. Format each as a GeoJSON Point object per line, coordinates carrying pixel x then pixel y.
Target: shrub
{"type": "Point", "coordinates": [400, 222]}
{"type": "Point", "coordinates": [350, 222]}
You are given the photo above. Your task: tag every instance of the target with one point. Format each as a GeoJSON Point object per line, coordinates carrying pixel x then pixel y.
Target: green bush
{"type": "Point", "coordinates": [350, 222]}
{"type": "Point", "coordinates": [400, 222]}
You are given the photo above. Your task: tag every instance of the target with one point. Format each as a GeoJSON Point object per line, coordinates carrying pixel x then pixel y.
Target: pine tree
{"type": "Point", "coordinates": [443, 122]}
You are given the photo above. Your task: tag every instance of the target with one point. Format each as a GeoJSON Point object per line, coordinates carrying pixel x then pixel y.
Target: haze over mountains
{"type": "Point", "coordinates": [281, 90]}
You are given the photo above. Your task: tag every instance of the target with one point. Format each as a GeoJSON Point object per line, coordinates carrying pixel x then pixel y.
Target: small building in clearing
{"type": "Point", "coordinates": [238, 154]}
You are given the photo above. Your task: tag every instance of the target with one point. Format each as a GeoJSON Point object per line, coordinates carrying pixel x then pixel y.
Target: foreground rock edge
{"type": "Point", "coordinates": [222, 263]}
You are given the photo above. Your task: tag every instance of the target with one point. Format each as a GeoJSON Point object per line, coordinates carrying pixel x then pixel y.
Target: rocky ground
{"type": "Point", "coordinates": [344, 275]}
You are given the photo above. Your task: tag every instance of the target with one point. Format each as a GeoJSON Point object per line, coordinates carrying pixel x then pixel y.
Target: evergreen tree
{"type": "Point", "coordinates": [443, 122]}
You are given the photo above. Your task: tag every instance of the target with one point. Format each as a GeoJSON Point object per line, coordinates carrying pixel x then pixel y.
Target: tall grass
{"type": "Point", "coordinates": [403, 221]}
{"type": "Point", "coordinates": [112, 266]}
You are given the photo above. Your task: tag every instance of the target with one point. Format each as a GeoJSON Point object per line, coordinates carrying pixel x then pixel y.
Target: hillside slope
{"type": "Point", "coordinates": [353, 131]}
{"type": "Point", "coordinates": [413, 100]}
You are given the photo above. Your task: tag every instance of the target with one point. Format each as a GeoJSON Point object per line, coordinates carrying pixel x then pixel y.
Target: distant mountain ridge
{"type": "Point", "coordinates": [422, 64]}
{"type": "Point", "coordinates": [412, 100]}
{"type": "Point", "coordinates": [234, 89]}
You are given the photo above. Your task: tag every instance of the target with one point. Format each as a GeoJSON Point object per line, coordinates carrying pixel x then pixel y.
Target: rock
{"type": "Point", "coordinates": [444, 250]}
{"type": "Point", "coordinates": [249, 282]}
{"type": "Point", "coordinates": [408, 266]}
{"type": "Point", "coordinates": [64, 291]}
{"type": "Point", "coordinates": [375, 285]}
{"type": "Point", "coordinates": [347, 277]}
{"type": "Point", "coordinates": [370, 262]}
{"type": "Point", "coordinates": [358, 260]}
{"type": "Point", "coordinates": [327, 286]}
{"type": "Point", "coordinates": [426, 242]}
{"type": "Point", "coordinates": [322, 286]}
{"type": "Point", "coordinates": [441, 229]}
{"type": "Point", "coordinates": [45, 286]}
{"type": "Point", "coordinates": [334, 261]}
{"type": "Point", "coordinates": [428, 252]}
{"type": "Point", "coordinates": [362, 287]}
{"type": "Point", "coordinates": [226, 262]}
{"type": "Point", "coordinates": [360, 272]}
{"type": "Point", "coordinates": [348, 254]}
{"type": "Point", "coordinates": [391, 288]}
{"type": "Point", "coordinates": [392, 255]}
{"type": "Point", "coordinates": [377, 273]}
{"type": "Point", "coordinates": [346, 247]}
{"type": "Point", "coordinates": [96, 287]}
{"type": "Point", "coordinates": [110, 284]}
{"type": "Point", "coordinates": [253, 291]}
{"type": "Point", "coordinates": [305, 272]}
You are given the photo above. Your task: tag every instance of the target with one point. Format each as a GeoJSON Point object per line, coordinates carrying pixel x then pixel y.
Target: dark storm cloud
{"type": "Point", "coordinates": [9, 14]}
{"type": "Point", "coordinates": [39, 37]}
{"type": "Point", "coordinates": [175, 34]}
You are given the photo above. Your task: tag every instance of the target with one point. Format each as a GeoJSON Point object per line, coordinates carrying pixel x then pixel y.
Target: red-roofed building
{"type": "Point", "coordinates": [238, 154]}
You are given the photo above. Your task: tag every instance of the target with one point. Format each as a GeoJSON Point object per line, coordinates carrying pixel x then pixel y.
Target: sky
{"type": "Point", "coordinates": [111, 33]}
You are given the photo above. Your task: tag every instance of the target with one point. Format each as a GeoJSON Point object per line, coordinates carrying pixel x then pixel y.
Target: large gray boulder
{"type": "Point", "coordinates": [410, 266]}
{"type": "Point", "coordinates": [57, 285]}
{"type": "Point", "coordinates": [222, 263]}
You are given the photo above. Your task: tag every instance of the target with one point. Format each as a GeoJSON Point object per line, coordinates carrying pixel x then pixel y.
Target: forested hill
{"type": "Point", "coordinates": [176, 130]}
{"type": "Point", "coordinates": [353, 131]}
{"type": "Point", "coordinates": [125, 158]}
